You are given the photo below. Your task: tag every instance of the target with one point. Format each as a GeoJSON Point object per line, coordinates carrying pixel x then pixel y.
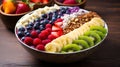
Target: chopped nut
{"type": "Point", "coordinates": [76, 19]}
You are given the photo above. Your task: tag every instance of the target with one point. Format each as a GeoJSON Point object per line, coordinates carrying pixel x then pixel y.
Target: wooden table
{"type": "Point", "coordinates": [12, 54]}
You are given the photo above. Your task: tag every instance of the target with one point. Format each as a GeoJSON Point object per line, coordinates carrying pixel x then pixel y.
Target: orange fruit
{"type": "Point", "coordinates": [9, 7]}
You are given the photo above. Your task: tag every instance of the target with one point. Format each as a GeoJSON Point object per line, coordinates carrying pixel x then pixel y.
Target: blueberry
{"type": "Point", "coordinates": [37, 20]}
{"type": "Point", "coordinates": [28, 34]}
{"type": "Point", "coordinates": [44, 15]}
{"type": "Point", "coordinates": [68, 12]}
{"type": "Point", "coordinates": [29, 27]}
{"type": "Point", "coordinates": [21, 29]}
{"type": "Point", "coordinates": [20, 34]}
{"type": "Point", "coordinates": [23, 38]}
{"type": "Point", "coordinates": [31, 24]}
{"type": "Point", "coordinates": [38, 31]}
{"type": "Point", "coordinates": [36, 25]}
{"type": "Point", "coordinates": [56, 12]}
{"type": "Point", "coordinates": [43, 23]}
{"type": "Point", "coordinates": [58, 16]}
{"type": "Point", "coordinates": [49, 17]}
{"type": "Point", "coordinates": [63, 10]}
{"type": "Point", "coordinates": [51, 22]}
{"type": "Point", "coordinates": [53, 19]}
{"type": "Point", "coordinates": [55, 15]}
{"type": "Point", "coordinates": [66, 8]}
{"type": "Point", "coordinates": [25, 31]}
{"type": "Point", "coordinates": [60, 13]}
{"type": "Point", "coordinates": [50, 13]}
{"type": "Point", "coordinates": [46, 21]}
{"type": "Point", "coordinates": [41, 18]}
{"type": "Point", "coordinates": [41, 27]}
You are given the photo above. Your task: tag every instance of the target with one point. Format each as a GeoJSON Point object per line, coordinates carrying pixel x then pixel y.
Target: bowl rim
{"type": "Point", "coordinates": [80, 51]}
{"type": "Point", "coordinates": [1, 11]}
{"type": "Point", "coordinates": [83, 2]}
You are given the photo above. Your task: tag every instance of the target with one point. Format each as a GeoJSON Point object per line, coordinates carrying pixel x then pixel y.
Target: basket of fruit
{"type": "Point", "coordinates": [11, 11]}
{"type": "Point", "coordinates": [41, 3]}
{"type": "Point", "coordinates": [80, 3]}
{"type": "Point", "coordinates": [61, 34]}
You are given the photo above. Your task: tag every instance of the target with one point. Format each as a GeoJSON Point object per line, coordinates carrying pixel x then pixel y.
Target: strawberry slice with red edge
{"type": "Point", "coordinates": [56, 28]}
{"type": "Point", "coordinates": [57, 34]}
{"type": "Point", "coordinates": [70, 2]}
{"type": "Point", "coordinates": [59, 20]}
{"type": "Point", "coordinates": [59, 24]}
{"type": "Point", "coordinates": [36, 1]}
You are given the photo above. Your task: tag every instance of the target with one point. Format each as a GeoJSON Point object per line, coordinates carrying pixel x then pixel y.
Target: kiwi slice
{"type": "Point", "coordinates": [89, 40]}
{"type": "Point", "coordinates": [100, 34]}
{"type": "Point", "coordinates": [99, 28]}
{"type": "Point", "coordinates": [94, 35]}
{"type": "Point", "coordinates": [83, 43]}
{"type": "Point", "coordinates": [71, 48]}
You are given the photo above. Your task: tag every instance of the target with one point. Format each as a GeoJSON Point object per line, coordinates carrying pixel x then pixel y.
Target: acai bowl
{"type": "Point", "coordinates": [60, 34]}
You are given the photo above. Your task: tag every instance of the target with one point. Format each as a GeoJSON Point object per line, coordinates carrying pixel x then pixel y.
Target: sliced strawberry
{"type": "Point", "coordinates": [59, 24]}
{"type": "Point", "coordinates": [57, 34]}
{"type": "Point", "coordinates": [70, 2]}
{"type": "Point", "coordinates": [60, 33]}
{"type": "Point", "coordinates": [56, 28]}
{"type": "Point", "coordinates": [36, 1]}
{"type": "Point", "coordinates": [59, 20]}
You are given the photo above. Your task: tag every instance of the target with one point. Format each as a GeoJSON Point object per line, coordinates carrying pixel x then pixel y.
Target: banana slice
{"type": "Point", "coordinates": [96, 22]}
{"type": "Point", "coordinates": [74, 34]}
{"type": "Point", "coordinates": [70, 35]}
{"type": "Point", "coordinates": [63, 40]}
{"type": "Point", "coordinates": [86, 27]}
{"type": "Point", "coordinates": [57, 40]}
{"type": "Point", "coordinates": [52, 47]}
{"type": "Point", "coordinates": [77, 32]}
{"type": "Point", "coordinates": [99, 20]}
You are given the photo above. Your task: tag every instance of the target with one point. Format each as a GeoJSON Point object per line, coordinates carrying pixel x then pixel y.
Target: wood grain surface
{"type": "Point", "coordinates": [12, 54]}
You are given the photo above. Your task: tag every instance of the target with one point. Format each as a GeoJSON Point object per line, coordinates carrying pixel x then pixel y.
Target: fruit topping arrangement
{"type": "Point", "coordinates": [59, 29]}
{"type": "Point", "coordinates": [15, 7]}
{"type": "Point", "coordinates": [70, 1]}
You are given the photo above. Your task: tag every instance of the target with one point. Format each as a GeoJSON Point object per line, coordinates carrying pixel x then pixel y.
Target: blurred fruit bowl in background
{"type": "Point", "coordinates": [11, 11]}
{"type": "Point", "coordinates": [80, 3]}
{"type": "Point", "coordinates": [41, 3]}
